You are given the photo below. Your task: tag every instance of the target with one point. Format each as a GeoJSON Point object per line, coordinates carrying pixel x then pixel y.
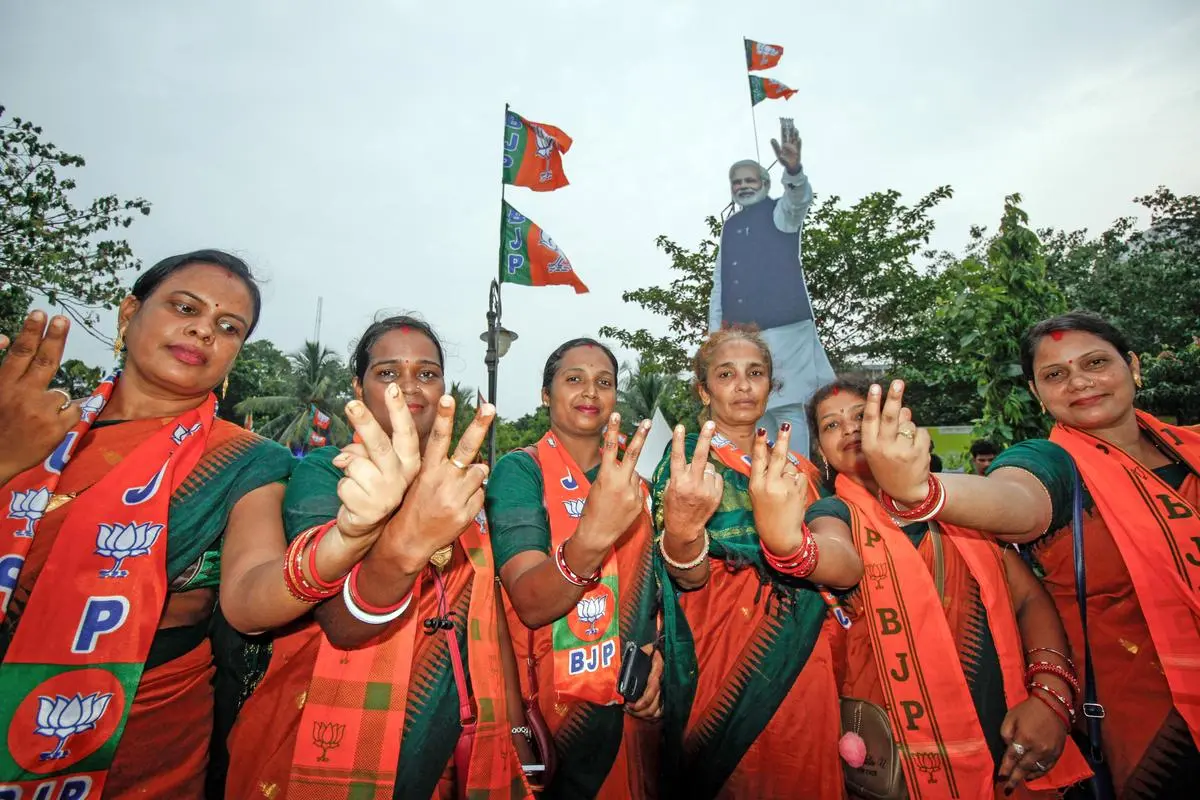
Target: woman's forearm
{"type": "Point", "coordinates": [537, 590]}
{"type": "Point", "coordinates": [838, 564]}
{"type": "Point", "coordinates": [1010, 503]}
{"type": "Point", "coordinates": [385, 578]}
{"type": "Point", "coordinates": [684, 547]}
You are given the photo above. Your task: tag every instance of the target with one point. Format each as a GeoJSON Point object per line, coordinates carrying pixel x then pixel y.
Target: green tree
{"type": "Point", "coordinates": [14, 305]}
{"type": "Point", "coordinates": [48, 246]}
{"type": "Point", "coordinates": [318, 380]}
{"type": "Point", "coordinates": [521, 432]}
{"type": "Point", "coordinates": [464, 411]}
{"type": "Point", "coordinates": [1170, 381]}
{"type": "Point", "coordinates": [986, 303]}
{"type": "Point", "coordinates": [261, 370]}
{"type": "Point", "coordinates": [76, 378]}
{"type": "Point", "coordinates": [859, 264]}
{"type": "Point", "coordinates": [640, 393]}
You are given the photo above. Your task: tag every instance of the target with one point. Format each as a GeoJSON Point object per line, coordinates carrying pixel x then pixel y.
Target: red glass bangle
{"type": "Point", "coordinates": [1064, 701]}
{"type": "Point", "coordinates": [293, 575]}
{"type": "Point", "coordinates": [800, 563]}
{"type": "Point", "coordinates": [1058, 671]}
{"type": "Point", "coordinates": [356, 597]}
{"type": "Point", "coordinates": [1057, 711]}
{"type": "Point", "coordinates": [560, 560]}
{"type": "Point", "coordinates": [925, 510]}
{"type": "Point", "coordinates": [321, 584]}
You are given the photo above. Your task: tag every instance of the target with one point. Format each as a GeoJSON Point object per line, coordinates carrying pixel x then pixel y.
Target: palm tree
{"type": "Point", "coordinates": [641, 393]}
{"type": "Point", "coordinates": [318, 380]}
{"type": "Point", "coordinates": [464, 409]}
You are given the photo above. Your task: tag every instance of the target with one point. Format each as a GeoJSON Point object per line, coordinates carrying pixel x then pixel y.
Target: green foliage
{"type": "Point", "coordinates": [261, 370]}
{"type": "Point", "coordinates": [1170, 381]}
{"type": "Point", "coordinates": [986, 302]}
{"type": "Point", "coordinates": [76, 378]}
{"type": "Point", "coordinates": [14, 305]}
{"type": "Point", "coordinates": [317, 378]}
{"type": "Point", "coordinates": [522, 432]}
{"type": "Point", "coordinates": [48, 246]}
{"type": "Point", "coordinates": [464, 411]}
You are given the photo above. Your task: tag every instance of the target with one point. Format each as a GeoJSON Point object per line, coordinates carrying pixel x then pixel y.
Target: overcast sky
{"type": "Point", "coordinates": [352, 150]}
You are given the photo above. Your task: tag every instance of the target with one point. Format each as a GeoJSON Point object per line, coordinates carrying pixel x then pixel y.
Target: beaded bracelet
{"type": "Point", "coordinates": [1057, 711]}
{"type": "Point", "coordinates": [801, 562]}
{"type": "Point", "coordinates": [560, 559]}
{"type": "Point", "coordinates": [926, 510]}
{"type": "Point", "coordinates": [1058, 671]}
{"type": "Point", "coordinates": [365, 612]}
{"type": "Point", "coordinates": [1065, 702]}
{"type": "Point", "coordinates": [1058, 653]}
{"type": "Point", "coordinates": [297, 584]}
{"type": "Point", "coordinates": [697, 561]}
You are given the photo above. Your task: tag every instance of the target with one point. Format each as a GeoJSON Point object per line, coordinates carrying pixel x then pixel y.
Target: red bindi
{"type": "Point", "coordinates": [1056, 335]}
{"type": "Point", "coordinates": [835, 391]}
{"type": "Point", "coordinates": [405, 329]}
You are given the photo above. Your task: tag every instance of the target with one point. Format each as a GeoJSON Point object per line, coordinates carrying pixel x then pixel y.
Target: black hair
{"type": "Point", "coordinates": [362, 350]}
{"type": "Point", "coordinates": [852, 382]}
{"type": "Point", "coordinates": [149, 280]}
{"type": "Point", "coordinates": [1075, 321]}
{"type": "Point", "coordinates": [984, 447]}
{"type": "Point", "coordinates": [555, 360]}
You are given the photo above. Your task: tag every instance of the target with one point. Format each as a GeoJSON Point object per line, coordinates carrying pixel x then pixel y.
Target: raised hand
{"type": "Point", "coordinates": [379, 469]}
{"type": "Point", "coordinates": [788, 152]}
{"type": "Point", "coordinates": [895, 448]}
{"type": "Point", "coordinates": [615, 498]}
{"type": "Point", "coordinates": [694, 489]}
{"type": "Point", "coordinates": [448, 491]}
{"type": "Point", "coordinates": [778, 493]}
{"type": "Point", "coordinates": [33, 417]}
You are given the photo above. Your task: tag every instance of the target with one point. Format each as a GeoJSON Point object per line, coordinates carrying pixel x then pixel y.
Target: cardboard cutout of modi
{"type": "Point", "coordinates": [759, 280]}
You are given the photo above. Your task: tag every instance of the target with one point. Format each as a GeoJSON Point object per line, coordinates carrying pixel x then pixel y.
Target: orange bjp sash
{"type": "Point", "coordinates": [937, 730]}
{"type": "Point", "coordinates": [1158, 535]}
{"type": "Point", "coordinates": [349, 742]}
{"type": "Point", "coordinates": [587, 640]}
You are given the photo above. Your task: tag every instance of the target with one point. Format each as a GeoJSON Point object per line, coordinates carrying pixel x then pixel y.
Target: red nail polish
{"type": "Point", "coordinates": [785, 427]}
{"type": "Point", "coordinates": [762, 432]}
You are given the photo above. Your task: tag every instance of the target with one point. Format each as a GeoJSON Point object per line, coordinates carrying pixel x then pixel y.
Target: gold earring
{"type": "Point", "coordinates": [826, 465]}
{"type": "Point", "coordinates": [225, 387]}
{"type": "Point", "coordinates": [119, 344]}
{"type": "Point", "coordinates": [1137, 379]}
{"type": "Point", "coordinates": [1043, 405]}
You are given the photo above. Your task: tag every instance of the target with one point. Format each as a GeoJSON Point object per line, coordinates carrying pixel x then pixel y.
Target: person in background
{"type": "Point", "coordinates": [983, 453]}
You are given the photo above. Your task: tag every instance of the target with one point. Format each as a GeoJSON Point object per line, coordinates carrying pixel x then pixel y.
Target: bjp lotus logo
{"type": "Point", "coordinates": [574, 508]}
{"type": "Point", "coordinates": [90, 407]}
{"type": "Point", "coordinates": [181, 432]}
{"type": "Point", "coordinates": [590, 610]}
{"type": "Point", "coordinates": [30, 506]}
{"type": "Point", "coordinates": [120, 542]}
{"type": "Point", "coordinates": [65, 717]}
{"type": "Point", "coordinates": [327, 736]}
{"type": "Point", "coordinates": [929, 764]}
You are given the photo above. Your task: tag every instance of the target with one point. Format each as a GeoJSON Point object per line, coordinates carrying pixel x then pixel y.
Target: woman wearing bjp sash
{"type": "Point", "coordinates": [751, 707]}
{"type": "Point", "coordinates": [571, 536]}
{"type": "Point", "coordinates": [942, 622]}
{"type": "Point", "coordinates": [394, 688]}
{"type": "Point", "coordinates": [1139, 494]}
{"type": "Point", "coordinates": [122, 513]}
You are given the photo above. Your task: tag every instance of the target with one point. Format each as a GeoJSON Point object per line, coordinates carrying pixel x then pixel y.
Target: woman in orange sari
{"type": "Point", "coordinates": [1140, 497]}
{"type": "Point", "coordinates": [122, 513]}
{"type": "Point", "coordinates": [959, 731]}
{"type": "Point", "coordinates": [394, 687]}
{"type": "Point", "coordinates": [571, 536]}
{"type": "Point", "coordinates": [751, 706]}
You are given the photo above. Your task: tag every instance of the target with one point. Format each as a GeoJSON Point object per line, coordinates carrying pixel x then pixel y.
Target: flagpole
{"type": "Point", "coordinates": [753, 117]}
{"type": "Point", "coordinates": [491, 358]}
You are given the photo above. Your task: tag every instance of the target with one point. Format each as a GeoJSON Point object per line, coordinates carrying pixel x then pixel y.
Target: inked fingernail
{"type": "Point", "coordinates": [392, 390]}
{"type": "Point", "coordinates": [785, 427]}
{"type": "Point", "coordinates": [761, 432]}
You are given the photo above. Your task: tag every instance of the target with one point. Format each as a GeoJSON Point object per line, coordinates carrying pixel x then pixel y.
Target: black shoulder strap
{"type": "Point", "coordinates": [1092, 710]}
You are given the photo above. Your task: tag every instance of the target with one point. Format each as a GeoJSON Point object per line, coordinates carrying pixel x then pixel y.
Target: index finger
{"type": "Point", "coordinates": [49, 353]}
{"type": "Point", "coordinates": [634, 449]}
{"type": "Point", "coordinates": [405, 441]}
{"type": "Point", "coordinates": [475, 434]}
{"type": "Point", "coordinates": [612, 434]}
{"type": "Point", "coordinates": [23, 346]}
{"type": "Point", "coordinates": [889, 418]}
{"type": "Point", "coordinates": [869, 429]}
{"type": "Point", "coordinates": [443, 428]}
{"type": "Point", "coordinates": [376, 442]}
{"type": "Point", "coordinates": [759, 454]}
{"type": "Point", "coordinates": [678, 460]}
{"type": "Point", "coordinates": [779, 455]}
{"type": "Point", "coordinates": [703, 443]}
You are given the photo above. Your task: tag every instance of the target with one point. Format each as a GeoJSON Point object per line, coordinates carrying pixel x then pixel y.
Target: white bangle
{"type": "Point", "coordinates": [697, 561]}
{"type": "Point", "coordinates": [372, 619]}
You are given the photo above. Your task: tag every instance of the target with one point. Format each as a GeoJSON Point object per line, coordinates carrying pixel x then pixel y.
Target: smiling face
{"type": "Point", "coordinates": [1082, 380]}
{"type": "Point", "coordinates": [408, 358]}
{"type": "Point", "coordinates": [736, 384]}
{"type": "Point", "coordinates": [746, 185]}
{"type": "Point", "coordinates": [583, 392]}
{"type": "Point", "coordinates": [839, 432]}
{"type": "Point", "coordinates": [184, 336]}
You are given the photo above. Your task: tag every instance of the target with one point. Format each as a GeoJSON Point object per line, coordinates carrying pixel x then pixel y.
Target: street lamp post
{"type": "Point", "coordinates": [498, 339]}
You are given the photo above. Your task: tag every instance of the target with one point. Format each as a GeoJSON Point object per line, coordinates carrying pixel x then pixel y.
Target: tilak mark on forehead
{"type": "Point", "coordinates": [1056, 335]}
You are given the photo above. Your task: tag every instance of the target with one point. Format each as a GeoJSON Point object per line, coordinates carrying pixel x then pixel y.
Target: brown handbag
{"type": "Point", "coordinates": [524, 712]}
{"type": "Point", "coordinates": [881, 777]}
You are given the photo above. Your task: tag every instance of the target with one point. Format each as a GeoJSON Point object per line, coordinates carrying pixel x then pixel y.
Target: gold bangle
{"type": "Point", "coordinates": [673, 564]}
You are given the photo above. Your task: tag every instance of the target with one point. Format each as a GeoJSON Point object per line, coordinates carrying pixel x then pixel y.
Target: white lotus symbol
{"type": "Point", "coordinates": [574, 507]}
{"type": "Point", "coordinates": [91, 407]}
{"type": "Point", "coordinates": [29, 505]}
{"type": "Point", "coordinates": [591, 609]}
{"type": "Point", "coordinates": [64, 717]}
{"type": "Point", "coordinates": [120, 542]}
{"type": "Point", "coordinates": [180, 433]}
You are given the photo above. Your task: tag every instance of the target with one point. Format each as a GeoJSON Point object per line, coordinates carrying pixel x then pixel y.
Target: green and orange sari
{"type": "Point", "coordinates": [751, 704]}
{"type": "Point", "coordinates": [381, 720]}
{"type": "Point", "coordinates": [119, 517]}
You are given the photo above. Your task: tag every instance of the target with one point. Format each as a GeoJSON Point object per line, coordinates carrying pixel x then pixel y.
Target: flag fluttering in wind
{"type": "Point", "coordinates": [761, 56]}
{"type": "Point", "coordinates": [317, 440]}
{"type": "Point", "coordinates": [533, 154]}
{"type": "Point", "coordinates": [529, 257]}
{"type": "Point", "coordinates": [320, 419]}
{"type": "Point", "coordinates": [765, 88]}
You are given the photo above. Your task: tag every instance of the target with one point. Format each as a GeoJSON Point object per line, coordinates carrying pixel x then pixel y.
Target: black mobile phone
{"type": "Point", "coordinates": [635, 672]}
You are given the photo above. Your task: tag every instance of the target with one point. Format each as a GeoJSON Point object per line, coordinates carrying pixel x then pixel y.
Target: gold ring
{"type": "Point", "coordinates": [907, 434]}
{"type": "Point", "coordinates": [66, 399]}
{"type": "Point", "coordinates": [458, 463]}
